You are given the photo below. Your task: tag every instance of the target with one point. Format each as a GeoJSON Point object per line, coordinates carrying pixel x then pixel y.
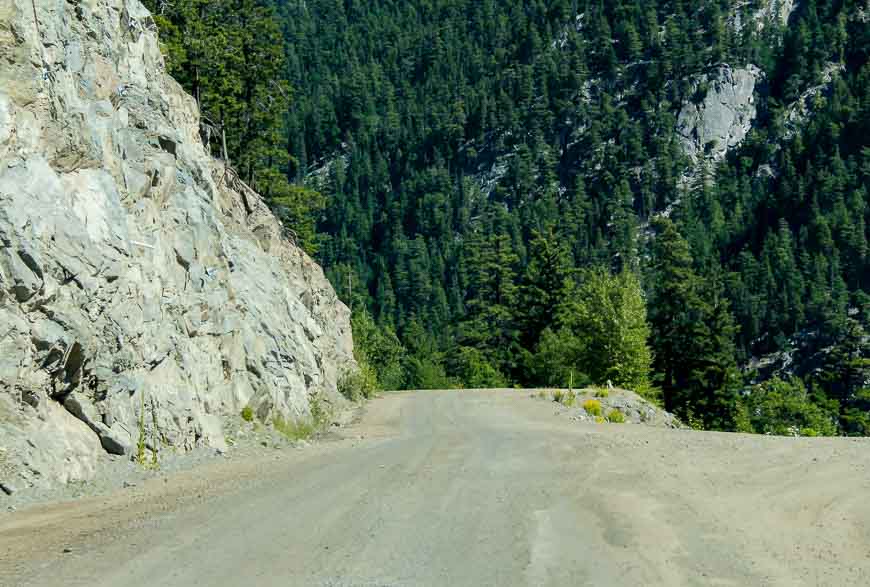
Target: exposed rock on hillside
{"type": "Point", "coordinates": [132, 276]}
{"type": "Point", "coordinates": [797, 112]}
{"type": "Point", "coordinates": [721, 112]}
{"type": "Point", "coordinates": [770, 12]}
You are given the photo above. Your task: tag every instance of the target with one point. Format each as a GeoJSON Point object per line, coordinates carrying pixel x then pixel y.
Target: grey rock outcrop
{"type": "Point", "coordinates": [134, 275]}
{"type": "Point", "coordinates": [798, 111]}
{"type": "Point", "coordinates": [763, 15]}
{"type": "Point", "coordinates": [721, 112]}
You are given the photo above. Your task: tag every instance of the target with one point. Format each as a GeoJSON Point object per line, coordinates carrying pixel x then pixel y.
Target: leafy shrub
{"type": "Point", "coordinates": [554, 360]}
{"type": "Point", "coordinates": [475, 370]}
{"type": "Point", "coordinates": [783, 407]}
{"type": "Point", "coordinates": [592, 407]}
{"type": "Point", "coordinates": [602, 392]}
{"type": "Point", "coordinates": [599, 419]}
{"type": "Point", "coordinates": [360, 384]}
{"type": "Point", "coordinates": [426, 373]}
{"type": "Point", "coordinates": [379, 348]}
{"type": "Point", "coordinates": [615, 416]}
{"type": "Point", "coordinates": [856, 421]}
{"type": "Point", "coordinates": [319, 413]}
{"type": "Point", "coordinates": [248, 414]}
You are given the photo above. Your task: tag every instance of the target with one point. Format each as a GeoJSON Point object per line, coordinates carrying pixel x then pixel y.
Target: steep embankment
{"type": "Point", "coordinates": [143, 291]}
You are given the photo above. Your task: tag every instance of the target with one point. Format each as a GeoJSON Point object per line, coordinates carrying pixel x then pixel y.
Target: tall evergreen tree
{"type": "Point", "coordinates": [692, 334]}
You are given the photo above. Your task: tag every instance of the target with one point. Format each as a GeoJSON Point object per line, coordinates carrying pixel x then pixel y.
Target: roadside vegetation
{"type": "Point", "coordinates": [148, 436]}
{"type": "Point", "coordinates": [294, 429]}
{"type": "Point", "coordinates": [592, 407]}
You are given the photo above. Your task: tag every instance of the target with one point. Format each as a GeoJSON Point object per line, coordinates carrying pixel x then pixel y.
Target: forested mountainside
{"type": "Point", "coordinates": [668, 195]}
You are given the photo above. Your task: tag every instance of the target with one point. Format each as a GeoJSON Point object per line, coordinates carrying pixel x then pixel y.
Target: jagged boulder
{"type": "Point", "coordinates": [720, 112]}
{"type": "Point", "coordinates": [141, 285]}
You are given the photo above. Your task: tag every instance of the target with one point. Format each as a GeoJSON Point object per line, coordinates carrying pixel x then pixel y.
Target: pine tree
{"type": "Point", "coordinates": [489, 325]}
{"type": "Point", "coordinates": [692, 337]}
{"type": "Point", "coordinates": [542, 286]}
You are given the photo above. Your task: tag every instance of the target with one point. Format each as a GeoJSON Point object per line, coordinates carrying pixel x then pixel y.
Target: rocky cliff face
{"type": "Point", "coordinates": [139, 285]}
{"type": "Point", "coordinates": [720, 113]}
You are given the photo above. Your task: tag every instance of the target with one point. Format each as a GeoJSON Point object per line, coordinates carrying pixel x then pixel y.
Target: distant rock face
{"type": "Point", "coordinates": [798, 111]}
{"type": "Point", "coordinates": [721, 112]}
{"type": "Point", "coordinates": [768, 12]}
{"type": "Point", "coordinates": [138, 289]}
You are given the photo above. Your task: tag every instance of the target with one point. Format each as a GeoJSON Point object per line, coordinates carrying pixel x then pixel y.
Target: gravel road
{"type": "Point", "coordinates": [472, 488]}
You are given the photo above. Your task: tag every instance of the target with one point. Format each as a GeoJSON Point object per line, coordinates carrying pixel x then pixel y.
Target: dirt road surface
{"type": "Point", "coordinates": [473, 488]}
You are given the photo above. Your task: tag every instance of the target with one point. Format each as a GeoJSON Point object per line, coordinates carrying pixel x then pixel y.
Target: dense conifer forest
{"type": "Point", "coordinates": [498, 190]}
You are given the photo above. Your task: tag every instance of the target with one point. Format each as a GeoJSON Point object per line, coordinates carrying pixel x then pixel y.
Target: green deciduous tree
{"type": "Point", "coordinates": [785, 408]}
{"type": "Point", "coordinates": [600, 332]}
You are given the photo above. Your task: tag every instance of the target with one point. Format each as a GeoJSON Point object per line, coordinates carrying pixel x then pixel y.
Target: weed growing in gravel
{"type": "Point", "coordinates": [569, 399]}
{"type": "Point", "coordinates": [615, 416]}
{"type": "Point", "coordinates": [592, 407]}
{"type": "Point", "coordinates": [155, 435]}
{"type": "Point", "coordinates": [248, 414]}
{"type": "Point", "coordinates": [600, 420]}
{"type": "Point", "coordinates": [601, 392]}
{"type": "Point", "coordinates": [557, 396]}
{"type": "Point", "coordinates": [140, 444]}
{"type": "Point", "coordinates": [293, 429]}
{"type": "Point", "coordinates": [319, 413]}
